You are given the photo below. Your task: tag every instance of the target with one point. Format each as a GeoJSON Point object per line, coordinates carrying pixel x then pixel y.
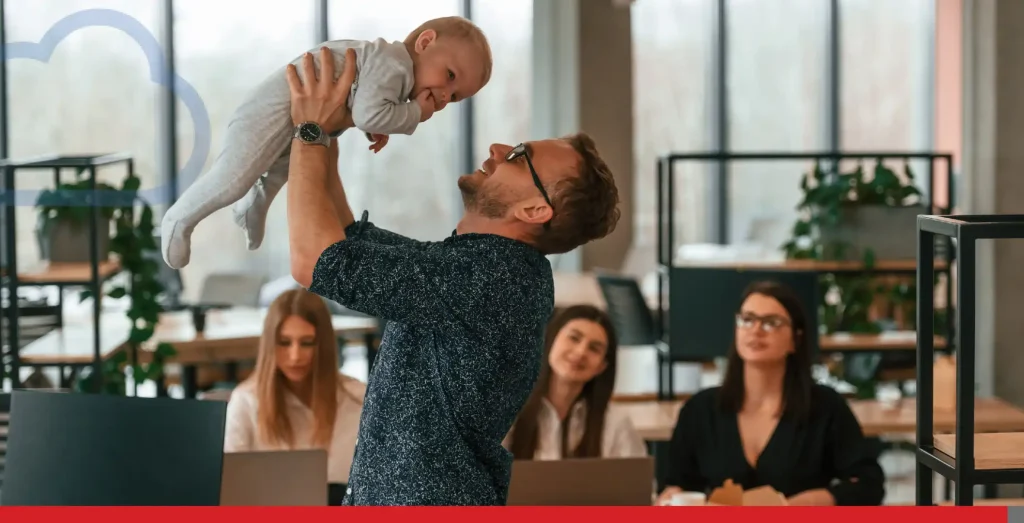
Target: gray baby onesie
{"type": "Point", "coordinates": [253, 165]}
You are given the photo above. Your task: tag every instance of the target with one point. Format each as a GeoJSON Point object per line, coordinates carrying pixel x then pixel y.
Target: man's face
{"type": "Point", "coordinates": [502, 188]}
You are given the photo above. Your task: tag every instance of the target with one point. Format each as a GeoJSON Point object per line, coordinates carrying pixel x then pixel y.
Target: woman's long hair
{"type": "Point", "coordinates": [797, 383]}
{"type": "Point", "coordinates": [272, 417]}
{"type": "Point", "coordinates": [597, 393]}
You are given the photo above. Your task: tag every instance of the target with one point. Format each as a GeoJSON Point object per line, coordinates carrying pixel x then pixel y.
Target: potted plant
{"type": "Point", "coordinates": [137, 251]}
{"type": "Point", "coordinates": [63, 226]}
{"type": "Point", "coordinates": [848, 217]}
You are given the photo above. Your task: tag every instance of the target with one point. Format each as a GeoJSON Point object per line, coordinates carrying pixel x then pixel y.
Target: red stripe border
{"type": "Point", "coordinates": [504, 514]}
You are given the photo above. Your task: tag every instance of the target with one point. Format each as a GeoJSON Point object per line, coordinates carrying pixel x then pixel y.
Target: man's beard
{"type": "Point", "coordinates": [481, 200]}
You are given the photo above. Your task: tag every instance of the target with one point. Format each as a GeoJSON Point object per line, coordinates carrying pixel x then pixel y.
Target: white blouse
{"type": "Point", "coordinates": [620, 438]}
{"type": "Point", "coordinates": [242, 434]}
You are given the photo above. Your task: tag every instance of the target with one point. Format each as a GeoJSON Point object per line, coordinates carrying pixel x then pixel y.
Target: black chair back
{"type": "Point", "coordinates": [99, 450]}
{"type": "Point", "coordinates": [628, 310]}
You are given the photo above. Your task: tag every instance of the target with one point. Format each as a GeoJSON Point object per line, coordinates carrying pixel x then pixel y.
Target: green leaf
{"type": "Point", "coordinates": [869, 259]}
{"type": "Point", "coordinates": [165, 350]}
{"type": "Point", "coordinates": [117, 292]}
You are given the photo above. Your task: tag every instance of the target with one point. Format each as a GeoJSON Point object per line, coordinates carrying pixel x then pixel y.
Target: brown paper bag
{"type": "Point", "coordinates": [733, 495]}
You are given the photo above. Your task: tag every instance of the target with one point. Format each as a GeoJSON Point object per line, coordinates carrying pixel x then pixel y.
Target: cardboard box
{"type": "Point", "coordinates": [733, 495]}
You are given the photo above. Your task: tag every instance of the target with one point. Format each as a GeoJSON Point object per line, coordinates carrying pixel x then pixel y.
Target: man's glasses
{"type": "Point", "coordinates": [769, 323]}
{"type": "Point", "coordinates": [522, 151]}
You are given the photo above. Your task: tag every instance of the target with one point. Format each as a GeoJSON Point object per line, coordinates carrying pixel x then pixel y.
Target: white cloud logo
{"type": "Point", "coordinates": [42, 50]}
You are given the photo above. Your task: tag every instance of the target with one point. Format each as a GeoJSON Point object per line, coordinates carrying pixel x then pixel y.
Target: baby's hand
{"type": "Point", "coordinates": [426, 103]}
{"type": "Point", "coordinates": [379, 141]}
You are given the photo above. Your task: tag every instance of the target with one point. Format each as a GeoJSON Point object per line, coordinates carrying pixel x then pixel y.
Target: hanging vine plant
{"type": "Point", "coordinates": [135, 246]}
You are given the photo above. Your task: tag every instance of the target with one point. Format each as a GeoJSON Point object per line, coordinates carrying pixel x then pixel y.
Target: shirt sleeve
{"type": "Point", "coordinates": [239, 432]}
{"type": "Point", "coordinates": [683, 470]}
{"type": "Point", "coordinates": [411, 284]}
{"type": "Point", "coordinates": [366, 230]}
{"type": "Point", "coordinates": [381, 104]}
{"type": "Point", "coordinates": [625, 440]}
{"type": "Point", "coordinates": [861, 481]}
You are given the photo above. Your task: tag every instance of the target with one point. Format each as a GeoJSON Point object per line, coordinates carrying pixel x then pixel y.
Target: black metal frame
{"type": "Point", "coordinates": [8, 204]}
{"type": "Point", "coordinates": [966, 230]}
{"type": "Point", "coordinates": [665, 230]}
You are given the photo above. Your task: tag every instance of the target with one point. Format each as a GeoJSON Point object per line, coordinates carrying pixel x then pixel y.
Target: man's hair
{"type": "Point", "coordinates": [586, 205]}
{"type": "Point", "coordinates": [459, 28]}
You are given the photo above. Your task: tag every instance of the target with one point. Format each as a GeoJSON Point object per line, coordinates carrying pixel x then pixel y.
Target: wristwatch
{"type": "Point", "coordinates": [311, 133]}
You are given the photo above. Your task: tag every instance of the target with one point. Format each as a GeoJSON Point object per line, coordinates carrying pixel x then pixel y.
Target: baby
{"type": "Point", "coordinates": [398, 86]}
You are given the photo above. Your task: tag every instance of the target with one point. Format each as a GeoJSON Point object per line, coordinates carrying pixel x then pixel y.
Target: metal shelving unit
{"type": "Point", "coordinates": [957, 457]}
{"type": "Point", "coordinates": [665, 191]}
{"type": "Point", "coordinates": [90, 275]}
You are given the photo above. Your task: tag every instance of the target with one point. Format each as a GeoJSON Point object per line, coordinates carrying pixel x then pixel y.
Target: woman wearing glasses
{"type": "Point", "coordinates": [769, 423]}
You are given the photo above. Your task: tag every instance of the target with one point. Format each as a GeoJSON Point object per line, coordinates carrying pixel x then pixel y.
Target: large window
{"type": "Point", "coordinates": [777, 93]}
{"type": "Point", "coordinates": [410, 186]}
{"type": "Point", "coordinates": [501, 111]}
{"type": "Point", "coordinates": [886, 74]}
{"type": "Point", "coordinates": [224, 48]}
{"type": "Point", "coordinates": [672, 59]}
{"type": "Point", "coordinates": [94, 96]}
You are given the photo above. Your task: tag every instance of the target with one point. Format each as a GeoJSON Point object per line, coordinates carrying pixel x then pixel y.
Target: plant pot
{"type": "Point", "coordinates": [65, 241]}
{"type": "Point", "coordinates": [891, 232]}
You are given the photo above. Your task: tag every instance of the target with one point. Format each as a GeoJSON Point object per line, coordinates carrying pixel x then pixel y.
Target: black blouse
{"type": "Point", "coordinates": [827, 450]}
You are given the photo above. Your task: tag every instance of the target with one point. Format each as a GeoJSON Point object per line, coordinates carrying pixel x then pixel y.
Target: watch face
{"type": "Point", "coordinates": [309, 132]}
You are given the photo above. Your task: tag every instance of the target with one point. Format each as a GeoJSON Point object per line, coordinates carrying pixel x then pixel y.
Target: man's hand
{"type": "Point", "coordinates": [321, 100]}
{"type": "Point", "coordinates": [427, 106]}
{"type": "Point", "coordinates": [379, 141]}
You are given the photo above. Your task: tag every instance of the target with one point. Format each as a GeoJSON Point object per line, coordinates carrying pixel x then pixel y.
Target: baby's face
{"type": "Point", "coordinates": [451, 69]}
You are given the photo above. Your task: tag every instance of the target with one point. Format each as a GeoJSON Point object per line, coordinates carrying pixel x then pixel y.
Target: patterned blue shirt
{"type": "Point", "coordinates": [458, 359]}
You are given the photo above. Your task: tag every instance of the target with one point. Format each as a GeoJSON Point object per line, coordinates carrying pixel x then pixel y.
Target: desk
{"type": "Point", "coordinates": [655, 420]}
{"type": "Point", "coordinates": [230, 336]}
{"type": "Point", "coordinates": [1006, 502]}
{"type": "Point", "coordinates": [582, 288]}
{"type": "Point", "coordinates": [66, 273]}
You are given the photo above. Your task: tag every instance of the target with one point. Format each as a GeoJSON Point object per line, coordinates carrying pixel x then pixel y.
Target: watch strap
{"type": "Point", "coordinates": [324, 139]}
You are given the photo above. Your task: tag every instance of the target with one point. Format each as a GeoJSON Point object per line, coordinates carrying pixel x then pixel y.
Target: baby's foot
{"type": "Point", "coordinates": [250, 213]}
{"type": "Point", "coordinates": [175, 240]}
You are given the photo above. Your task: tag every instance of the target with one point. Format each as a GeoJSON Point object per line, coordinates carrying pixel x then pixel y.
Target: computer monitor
{"type": "Point", "coordinates": [582, 482]}
{"type": "Point", "coordinates": [704, 302]}
{"type": "Point", "coordinates": [296, 478]}
{"type": "Point", "coordinates": [99, 450]}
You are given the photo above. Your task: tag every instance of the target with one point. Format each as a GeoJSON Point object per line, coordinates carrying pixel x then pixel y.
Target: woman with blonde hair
{"type": "Point", "coordinates": [296, 398]}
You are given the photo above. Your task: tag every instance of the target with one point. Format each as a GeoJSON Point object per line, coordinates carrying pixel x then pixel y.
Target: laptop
{"type": "Point", "coordinates": [582, 482]}
{"type": "Point", "coordinates": [100, 450]}
{"type": "Point", "coordinates": [296, 478]}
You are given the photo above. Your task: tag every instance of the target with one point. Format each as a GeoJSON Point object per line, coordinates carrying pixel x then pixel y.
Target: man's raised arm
{"type": "Point", "coordinates": [313, 219]}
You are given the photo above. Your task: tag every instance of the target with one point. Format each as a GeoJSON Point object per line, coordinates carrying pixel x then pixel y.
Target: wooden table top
{"type": "Point", "coordinates": [1002, 502]}
{"type": "Point", "coordinates": [228, 328]}
{"type": "Point", "coordinates": [233, 334]}
{"type": "Point", "coordinates": [66, 272]}
{"type": "Point", "coordinates": [655, 420]}
{"type": "Point", "coordinates": [991, 451]}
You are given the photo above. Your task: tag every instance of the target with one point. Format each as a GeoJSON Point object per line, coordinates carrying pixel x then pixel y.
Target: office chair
{"type": "Point", "coordinates": [628, 310]}
{"type": "Point", "coordinates": [232, 289]}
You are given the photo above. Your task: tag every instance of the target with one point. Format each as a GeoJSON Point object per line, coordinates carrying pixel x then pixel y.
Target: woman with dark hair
{"type": "Point", "coordinates": [569, 415]}
{"type": "Point", "coordinates": [769, 423]}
